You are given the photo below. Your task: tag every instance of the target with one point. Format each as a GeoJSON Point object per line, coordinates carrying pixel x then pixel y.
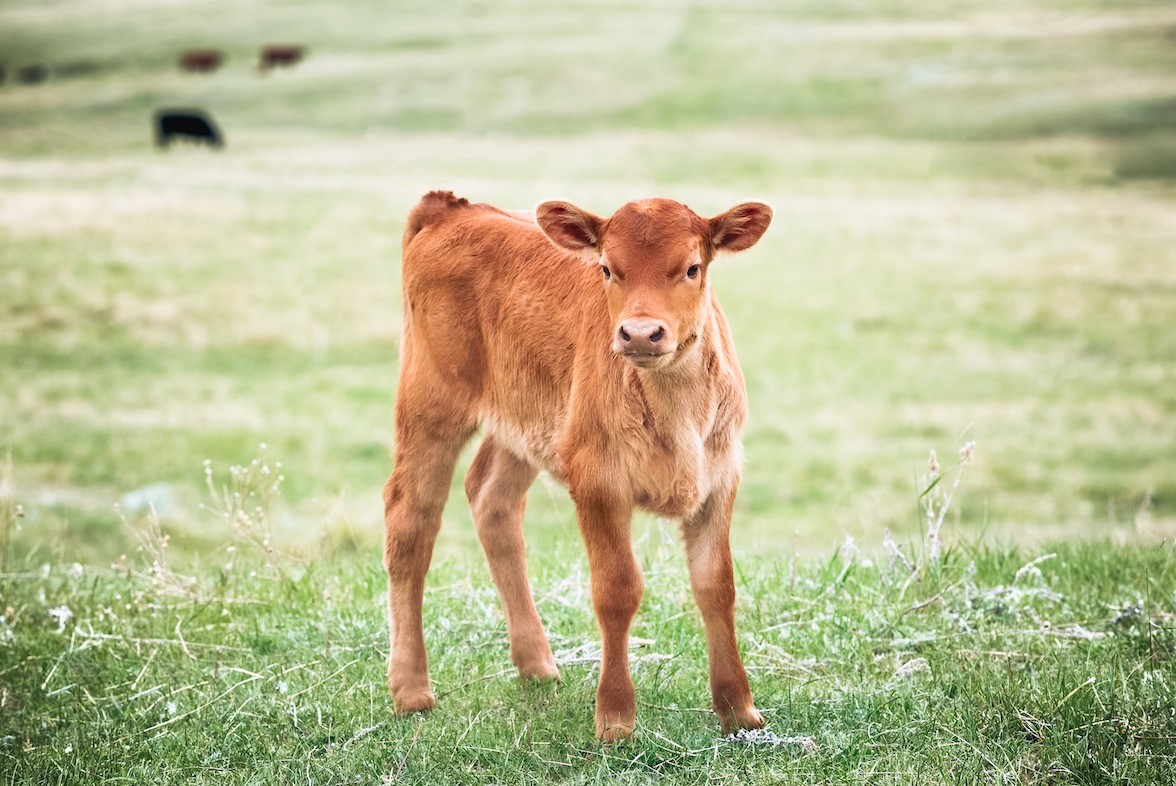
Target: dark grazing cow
{"type": "Point", "coordinates": [33, 74]}
{"type": "Point", "coordinates": [280, 55]}
{"type": "Point", "coordinates": [2, 75]}
{"type": "Point", "coordinates": [203, 61]}
{"type": "Point", "coordinates": [186, 124]}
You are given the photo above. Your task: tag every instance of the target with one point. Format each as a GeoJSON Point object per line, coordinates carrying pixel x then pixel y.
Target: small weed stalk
{"type": "Point", "coordinates": [894, 553]}
{"type": "Point", "coordinates": [245, 502]}
{"type": "Point", "coordinates": [936, 501]}
{"type": "Point", "coordinates": [153, 545]}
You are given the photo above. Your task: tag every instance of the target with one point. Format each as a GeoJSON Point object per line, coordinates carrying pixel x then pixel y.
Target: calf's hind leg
{"type": "Point", "coordinates": [426, 451]}
{"type": "Point", "coordinates": [497, 486]}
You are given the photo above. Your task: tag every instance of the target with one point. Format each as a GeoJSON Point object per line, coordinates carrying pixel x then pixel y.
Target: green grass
{"type": "Point", "coordinates": [974, 241]}
{"type": "Point", "coordinates": [981, 668]}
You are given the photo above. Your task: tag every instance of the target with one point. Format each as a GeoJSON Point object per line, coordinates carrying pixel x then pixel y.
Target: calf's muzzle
{"type": "Point", "coordinates": [642, 338]}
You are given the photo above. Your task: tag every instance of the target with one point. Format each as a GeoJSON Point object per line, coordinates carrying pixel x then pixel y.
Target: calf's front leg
{"type": "Point", "coordinates": [708, 554]}
{"type": "Point", "coordinates": [616, 593]}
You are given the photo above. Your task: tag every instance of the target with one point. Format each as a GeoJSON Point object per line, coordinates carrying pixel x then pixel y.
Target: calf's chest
{"type": "Point", "coordinates": [680, 463]}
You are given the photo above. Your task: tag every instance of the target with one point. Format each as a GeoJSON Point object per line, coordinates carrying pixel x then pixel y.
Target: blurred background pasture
{"type": "Point", "coordinates": [975, 240]}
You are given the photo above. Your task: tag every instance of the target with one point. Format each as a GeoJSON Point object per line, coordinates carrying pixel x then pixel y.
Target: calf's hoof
{"type": "Point", "coordinates": [407, 702]}
{"type": "Point", "coordinates": [615, 726]}
{"type": "Point", "coordinates": [531, 655]}
{"type": "Point", "coordinates": [615, 732]}
{"type": "Point", "coordinates": [731, 720]}
{"type": "Point", "coordinates": [539, 672]}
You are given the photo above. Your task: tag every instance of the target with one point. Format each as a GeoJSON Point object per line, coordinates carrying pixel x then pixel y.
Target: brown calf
{"type": "Point", "coordinates": [593, 349]}
{"type": "Point", "coordinates": [201, 60]}
{"type": "Point", "coordinates": [280, 55]}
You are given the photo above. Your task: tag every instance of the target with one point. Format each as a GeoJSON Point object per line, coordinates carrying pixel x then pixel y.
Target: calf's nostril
{"type": "Point", "coordinates": [657, 335]}
{"type": "Point", "coordinates": [625, 334]}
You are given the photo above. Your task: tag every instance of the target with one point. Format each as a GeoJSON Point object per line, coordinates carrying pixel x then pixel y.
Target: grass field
{"type": "Point", "coordinates": [985, 669]}
{"type": "Point", "coordinates": [975, 239]}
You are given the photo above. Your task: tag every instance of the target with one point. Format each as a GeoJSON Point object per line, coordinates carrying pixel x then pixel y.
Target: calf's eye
{"type": "Point", "coordinates": [607, 272]}
{"type": "Point", "coordinates": [692, 272]}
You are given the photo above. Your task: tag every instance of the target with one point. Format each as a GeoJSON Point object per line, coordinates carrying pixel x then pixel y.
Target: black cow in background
{"type": "Point", "coordinates": [33, 74]}
{"type": "Point", "coordinates": [189, 124]}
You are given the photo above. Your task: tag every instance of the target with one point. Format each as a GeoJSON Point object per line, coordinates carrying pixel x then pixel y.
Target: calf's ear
{"type": "Point", "coordinates": [569, 227]}
{"type": "Point", "coordinates": [740, 227]}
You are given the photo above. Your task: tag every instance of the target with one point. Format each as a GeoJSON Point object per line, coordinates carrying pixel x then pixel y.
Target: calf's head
{"type": "Point", "coordinates": [653, 256]}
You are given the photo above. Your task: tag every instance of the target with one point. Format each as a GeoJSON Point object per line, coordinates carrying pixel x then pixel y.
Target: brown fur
{"type": "Point", "coordinates": [201, 60]}
{"type": "Point", "coordinates": [280, 55]}
{"type": "Point", "coordinates": [522, 335]}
